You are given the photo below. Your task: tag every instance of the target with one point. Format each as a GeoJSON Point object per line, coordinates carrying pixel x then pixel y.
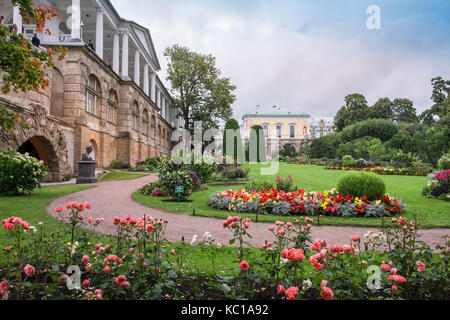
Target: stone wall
{"type": "Point", "coordinates": [66, 127]}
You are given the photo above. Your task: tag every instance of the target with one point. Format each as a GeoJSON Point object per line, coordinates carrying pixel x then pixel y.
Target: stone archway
{"type": "Point", "coordinates": [41, 148]}
{"type": "Point", "coordinates": [43, 137]}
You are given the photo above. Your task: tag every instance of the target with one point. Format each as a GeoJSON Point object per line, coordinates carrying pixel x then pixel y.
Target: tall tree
{"type": "Point", "coordinates": [382, 109]}
{"type": "Point", "coordinates": [23, 66]}
{"type": "Point", "coordinates": [199, 91]}
{"type": "Point", "coordinates": [355, 110]}
{"type": "Point", "coordinates": [404, 111]}
{"type": "Point", "coordinates": [257, 145]}
{"type": "Point", "coordinates": [238, 147]}
{"type": "Point", "coordinates": [440, 97]}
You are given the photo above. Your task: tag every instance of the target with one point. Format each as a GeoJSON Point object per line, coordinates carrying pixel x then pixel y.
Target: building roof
{"type": "Point", "coordinates": [275, 113]}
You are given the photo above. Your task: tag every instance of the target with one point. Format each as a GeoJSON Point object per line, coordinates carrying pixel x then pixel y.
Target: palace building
{"type": "Point", "coordinates": [297, 129]}
{"type": "Point", "coordinates": [106, 92]}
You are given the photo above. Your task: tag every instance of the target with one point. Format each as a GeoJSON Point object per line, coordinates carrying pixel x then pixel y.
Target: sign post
{"type": "Point", "coordinates": [179, 190]}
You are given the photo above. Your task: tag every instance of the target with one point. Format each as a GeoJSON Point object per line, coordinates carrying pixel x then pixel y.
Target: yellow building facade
{"type": "Point", "coordinates": [284, 126]}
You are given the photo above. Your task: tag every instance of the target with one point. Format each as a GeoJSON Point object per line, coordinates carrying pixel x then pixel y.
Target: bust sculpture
{"type": "Point", "coordinates": [87, 155]}
{"type": "Point", "coordinates": [86, 167]}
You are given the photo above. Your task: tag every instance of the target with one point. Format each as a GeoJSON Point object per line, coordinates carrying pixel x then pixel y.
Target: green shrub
{"type": "Point", "coordinates": [232, 124]}
{"type": "Point", "coordinates": [170, 180]}
{"type": "Point", "coordinates": [119, 166]}
{"type": "Point", "coordinates": [444, 162]}
{"type": "Point", "coordinates": [150, 164]}
{"type": "Point", "coordinates": [359, 184]}
{"type": "Point", "coordinates": [257, 140]}
{"type": "Point", "coordinates": [260, 185]}
{"type": "Point", "coordinates": [376, 128]}
{"type": "Point", "coordinates": [234, 172]}
{"type": "Point", "coordinates": [288, 150]}
{"type": "Point", "coordinates": [173, 175]}
{"type": "Point", "coordinates": [20, 173]}
{"type": "Point", "coordinates": [405, 160]}
{"type": "Point", "coordinates": [286, 184]}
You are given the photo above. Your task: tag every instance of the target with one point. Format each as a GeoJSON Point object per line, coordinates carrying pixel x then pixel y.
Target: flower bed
{"type": "Point", "coordinates": [439, 188]}
{"type": "Point", "coordinates": [385, 170]}
{"type": "Point", "coordinates": [328, 203]}
{"type": "Point", "coordinates": [142, 265]}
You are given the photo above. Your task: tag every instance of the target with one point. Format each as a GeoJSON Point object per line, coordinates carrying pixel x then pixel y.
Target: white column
{"type": "Point", "coordinates": [116, 52]}
{"type": "Point", "coordinates": [125, 55]}
{"type": "Point", "coordinates": [164, 108]}
{"type": "Point", "coordinates": [158, 100]}
{"type": "Point", "coordinates": [146, 85]}
{"type": "Point", "coordinates": [99, 33]}
{"type": "Point", "coordinates": [76, 20]}
{"type": "Point", "coordinates": [17, 19]}
{"type": "Point", "coordinates": [153, 87]}
{"type": "Point", "coordinates": [137, 68]}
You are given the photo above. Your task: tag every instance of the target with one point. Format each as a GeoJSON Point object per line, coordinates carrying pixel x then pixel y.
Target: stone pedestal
{"type": "Point", "coordinates": [86, 172]}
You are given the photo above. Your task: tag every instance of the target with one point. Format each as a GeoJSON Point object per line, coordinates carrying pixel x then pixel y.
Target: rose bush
{"type": "Point", "coordinates": [141, 264]}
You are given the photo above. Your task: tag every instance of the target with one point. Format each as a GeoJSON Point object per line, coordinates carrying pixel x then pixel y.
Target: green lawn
{"type": "Point", "coordinates": [31, 208]}
{"type": "Point", "coordinates": [116, 175]}
{"type": "Point", "coordinates": [314, 178]}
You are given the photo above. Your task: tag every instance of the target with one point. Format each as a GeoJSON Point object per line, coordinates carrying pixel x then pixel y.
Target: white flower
{"type": "Point", "coordinates": [307, 284]}
{"type": "Point", "coordinates": [207, 237]}
{"type": "Point", "coordinates": [32, 228]}
{"type": "Point", "coordinates": [41, 223]}
{"type": "Point", "coordinates": [194, 239]}
{"type": "Point", "coordinates": [219, 245]}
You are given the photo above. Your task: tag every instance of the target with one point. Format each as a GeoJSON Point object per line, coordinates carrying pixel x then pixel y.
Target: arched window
{"type": "Point", "coordinates": [93, 96]}
{"type": "Point", "coordinates": [135, 115]}
{"type": "Point", "coordinates": [113, 102]}
{"type": "Point", "coordinates": [145, 121]}
{"type": "Point", "coordinates": [305, 131]}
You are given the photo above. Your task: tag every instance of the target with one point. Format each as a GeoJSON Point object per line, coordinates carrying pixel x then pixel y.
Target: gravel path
{"type": "Point", "coordinates": [111, 199]}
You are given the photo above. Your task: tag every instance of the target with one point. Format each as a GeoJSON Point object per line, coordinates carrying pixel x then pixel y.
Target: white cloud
{"type": "Point", "coordinates": [271, 64]}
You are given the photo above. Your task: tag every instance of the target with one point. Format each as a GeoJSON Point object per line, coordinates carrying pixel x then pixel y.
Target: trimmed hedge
{"type": "Point", "coordinates": [360, 184]}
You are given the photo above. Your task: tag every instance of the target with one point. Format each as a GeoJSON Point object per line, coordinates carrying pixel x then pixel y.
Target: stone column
{"type": "Point", "coordinates": [17, 19]}
{"type": "Point", "coordinates": [76, 21]}
{"type": "Point", "coordinates": [146, 85]}
{"type": "Point", "coordinates": [116, 52]}
{"type": "Point", "coordinates": [137, 67]}
{"type": "Point", "coordinates": [125, 55]}
{"type": "Point", "coordinates": [153, 87]}
{"type": "Point", "coordinates": [99, 33]}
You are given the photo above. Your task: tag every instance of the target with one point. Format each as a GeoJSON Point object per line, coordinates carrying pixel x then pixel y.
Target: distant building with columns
{"type": "Point", "coordinates": [297, 129]}
{"type": "Point", "coordinates": [284, 126]}
{"type": "Point", "coordinates": [108, 95]}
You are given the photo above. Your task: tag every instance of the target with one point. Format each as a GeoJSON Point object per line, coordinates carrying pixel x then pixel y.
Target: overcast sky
{"type": "Point", "coordinates": [306, 56]}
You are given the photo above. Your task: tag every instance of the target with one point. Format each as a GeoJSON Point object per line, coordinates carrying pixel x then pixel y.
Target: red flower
{"type": "Point", "coordinates": [244, 265]}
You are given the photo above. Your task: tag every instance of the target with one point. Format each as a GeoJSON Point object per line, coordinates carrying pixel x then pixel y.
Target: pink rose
{"type": "Point", "coordinates": [29, 270]}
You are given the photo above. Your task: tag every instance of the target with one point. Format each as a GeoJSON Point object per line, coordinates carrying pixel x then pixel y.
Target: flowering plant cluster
{"type": "Point", "coordinates": [143, 265]}
{"type": "Point", "coordinates": [328, 203]}
{"type": "Point", "coordinates": [439, 188]}
{"type": "Point", "coordinates": [388, 170]}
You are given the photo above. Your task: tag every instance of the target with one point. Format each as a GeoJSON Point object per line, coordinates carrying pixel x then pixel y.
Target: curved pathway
{"type": "Point", "coordinates": [111, 199]}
